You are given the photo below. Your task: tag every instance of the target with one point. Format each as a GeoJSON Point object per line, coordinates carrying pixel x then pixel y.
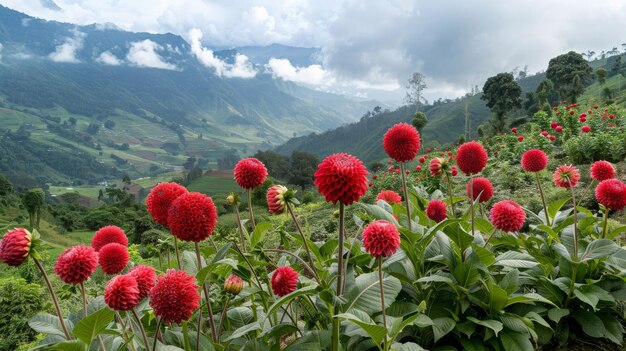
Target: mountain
{"type": "Point", "coordinates": [62, 83]}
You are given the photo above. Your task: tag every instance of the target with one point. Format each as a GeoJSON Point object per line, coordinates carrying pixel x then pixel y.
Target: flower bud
{"type": "Point", "coordinates": [233, 284]}
{"type": "Point", "coordinates": [15, 246]}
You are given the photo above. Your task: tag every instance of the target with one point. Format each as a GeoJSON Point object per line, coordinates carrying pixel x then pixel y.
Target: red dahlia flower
{"type": "Point", "coordinates": [390, 196]}
{"type": "Point", "coordinates": [122, 293]}
{"type": "Point", "coordinates": [284, 281]}
{"type": "Point", "coordinates": [250, 173]}
{"type": "Point", "coordinates": [507, 216]}
{"type": "Point", "coordinates": [585, 129]}
{"type": "Point", "coordinates": [76, 264]}
{"type": "Point", "coordinates": [402, 142]}
{"type": "Point", "coordinates": [276, 199]}
{"type": "Point", "coordinates": [612, 194]}
{"type": "Point", "coordinates": [558, 129]}
{"type": "Point", "coordinates": [520, 138]}
{"type": "Point", "coordinates": [192, 217]}
{"type": "Point", "coordinates": [381, 238]}
{"type": "Point", "coordinates": [175, 296]}
{"type": "Point", "coordinates": [233, 284]}
{"type": "Point", "coordinates": [482, 187]}
{"type": "Point", "coordinates": [341, 177]}
{"type": "Point", "coordinates": [436, 210]}
{"type": "Point", "coordinates": [15, 246]}
{"type": "Point", "coordinates": [145, 276]}
{"type": "Point", "coordinates": [534, 160]}
{"type": "Point", "coordinates": [514, 130]}
{"type": "Point", "coordinates": [160, 199]}
{"type": "Point", "coordinates": [454, 171]}
{"type": "Point", "coordinates": [602, 170]}
{"type": "Point", "coordinates": [438, 165]}
{"type": "Point", "coordinates": [564, 175]}
{"type": "Point", "coordinates": [471, 157]}
{"type": "Point", "coordinates": [107, 235]}
{"type": "Point", "coordinates": [113, 258]}
{"type": "Point", "coordinates": [553, 125]}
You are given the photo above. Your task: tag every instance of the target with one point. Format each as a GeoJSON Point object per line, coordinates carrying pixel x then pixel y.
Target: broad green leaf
{"type": "Point", "coordinates": [497, 297]}
{"type": "Point", "coordinates": [244, 330]}
{"type": "Point", "coordinates": [515, 259]}
{"type": "Point", "coordinates": [410, 346]}
{"type": "Point", "coordinates": [205, 272]}
{"type": "Point", "coordinates": [314, 340]}
{"type": "Point", "coordinates": [46, 323]}
{"type": "Point", "coordinates": [599, 248]}
{"type": "Point", "coordinates": [467, 272]}
{"type": "Point", "coordinates": [376, 332]}
{"type": "Point", "coordinates": [483, 225]}
{"type": "Point", "coordinates": [555, 206]}
{"type": "Point", "coordinates": [590, 322]}
{"type": "Point", "coordinates": [89, 327]}
{"type": "Point", "coordinates": [535, 317]}
{"type": "Point", "coordinates": [473, 345]}
{"type": "Point", "coordinates": [442, 326]}
{"type": "Point", "coordinates": [617, 231]}
{"type": "Point", "coordinates": [486, 257]}
{"type": "Point", "coordinates": [592, 294]}
{"type": "Point", "coordinates": [515, 341]}
{"type": "Point", "coordinates": [307, 290]}
{"type": "Point", "coordinates": [73, 345]}
{"type": "Point", "coordinates": [279, 330]}
{"type": "Point", "coordinates": [379, 213]}
{"type": "Point", "coordinates": [613, 327]}
{"type": "Point", "coordinates": [239, 316]}
{"type": "Point", "coordinates": [510, 282]}
{"type": "Point", "coordinates": [494, 325]}
{"type": "Point", "coordinates": [365, 295]}
{"type": "Point", "coordinates": [259, 233]}
{"type": "Point", "coordinates": [555, 314]}
{"type": "Point", "coordinates": [528, 297]}
{"type": "Point", "coordinates": [459, 236]}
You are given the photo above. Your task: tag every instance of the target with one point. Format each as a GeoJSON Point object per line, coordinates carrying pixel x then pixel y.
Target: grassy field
{"type": "Point", "coordinates": [214, 185]}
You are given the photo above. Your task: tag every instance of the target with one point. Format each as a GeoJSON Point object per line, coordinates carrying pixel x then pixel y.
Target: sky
{"type": "Point", "coordinates": [367, 48]}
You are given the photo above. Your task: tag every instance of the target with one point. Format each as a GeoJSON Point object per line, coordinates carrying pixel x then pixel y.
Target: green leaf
{"type": "Point", "coordinates": [365, 294]}
{"type": "Point", "coordinates": [442, 326]}
{"type": "Point", "coordinates": [515, 259]}
{"type": "Point", "coordinates": [515, 341]}
{"type": "Point", "coordinates": [555, 314]}
{"type": "Point", "coordinates": [314, 340]}
{"type": "Point", "coordinates": [376, 332]}
{"type": "Point", "coordinates": [467, 272]}
{"type": "Point", "coordinates": [204, 273]}
{"type": "Point", "coordinates": [244, 330]}
{"type": "Point", "coordinates": [494, 325]}
{"type": "Point", "coordinates": [599, 248]}
{"type": "Point", "coordinates": [617, 231]}
{"type": "Point", "coordinates": [592, 294]}
{"type": "Point", "coordinates": [592, 324]}
{"type": "Point", "coordinates": [483, 225]}
{"type": "Point", "coordinates": [46, 323]}
{"type": "Point", "coordinates": [74, 345]}
{"type": "Point", "coordinates": [239, 316]}
{"type": "Point", "coordinates": [459, 236]}
{"type": "Point", "coordinates": [555, 206]}
{"type": "Point", "coordinates": [614, 330]}
{"type": "Point", "coordinates": [89, 327]}
{"type": "Point", "coordinates": [497, 297]}
{"type": "Point", "coordinates": [410, 346]}
{"type": "Point", "coordinates": [529, 297]}
{"type": "Point", "coordinates": [307, 290]}
{"type": "Point", "coordinates": [259, 233]}
{"type": "Point", "coordinates": [486, 257]}
{"type": "Point", "coordinates": [510, 282]}
{"type": "Point", "coordinates": [378, 213]}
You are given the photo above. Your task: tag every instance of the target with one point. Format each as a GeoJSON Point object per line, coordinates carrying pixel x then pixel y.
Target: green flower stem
{"type": "Point", "coordinates": [222, 318]}
{"type": "Point", "coordinates": [207, 298]}
{"type": "Point", "coordinates": [571, 188]}
{"type": "Point", "coordinates": [256, 277]}
{"type": "Point", "coordinates": [54, 297]}
{"type": "Point", "coordinates": [177, 254]}
{"type": "Point", "coordinates": [606, 222]}
{"type": "Point", "coordinates": [186, 336]}
{"type": "Point", "coordinates": [472, 201]}
{"type": "Point", "coordinates": [250, 208]}
{"type": "Point", "coordinates": [156, 333]}
{"type": "Point", "coordinates": [543, 199]}
{"type": "Point", "coordinates": [306, 245]}
{"type": "Point", "coordinates": [406, 197]}
{"type": "Point", "coordinates": [451, 193]}
{"type": "Point", "coordinates": [335, 345]}
{"type": "Point", "coordinates": [141, 329]}
{"type": "Point", "coordinates": [240, 227]}
{"type": "Point", "coordinates": [335, 309]}
{"type": "Point", "coordinates": [82, 293]}
{"type": "Point", "coordinates": [490, 236]}
{"type": "Point", "coordinates": [306, 266]}
{"type": "Point", "coordinates": [124, 331]}
{"type": "Point", "coordinates": [382, 297]}
{"type": "Point", "coordinates": [343, 288]}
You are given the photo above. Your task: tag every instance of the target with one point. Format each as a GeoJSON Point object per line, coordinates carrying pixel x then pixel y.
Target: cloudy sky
{"type": "Point", "coordinates": [370, 48]}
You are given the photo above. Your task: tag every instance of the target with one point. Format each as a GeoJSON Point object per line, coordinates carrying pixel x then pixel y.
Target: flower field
{"type": "Point", "coordinates": [444, 256]}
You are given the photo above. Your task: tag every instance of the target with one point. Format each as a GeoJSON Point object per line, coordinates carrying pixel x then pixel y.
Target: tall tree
{"type": "Point", "coordinates": [563, 70]}
{"type": "Point", "coordinates": [502, 93]}
{"type": "Point", "coordinates": [544, 90]}
{"type": "Point", "coordinates": [6, 187]}
{"type": "Point", "coordinates": [415, 89]}
{"type": "Point", "coordinates": [34, 200]}
{"type": "Point", "coordinates": [303, 166]}
{"type": "Point", "coordinates": [601, 73]}
{"type": "Point", "coordinates": [419, 120]}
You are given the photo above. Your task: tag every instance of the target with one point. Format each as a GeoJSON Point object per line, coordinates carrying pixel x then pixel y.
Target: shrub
{"type": "Point", "coordinates": [19, 301]}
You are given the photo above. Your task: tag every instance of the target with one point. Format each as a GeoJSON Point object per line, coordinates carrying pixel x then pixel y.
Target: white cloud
{"type": "Point", "coordinates": [241, 68]}
{"type": "Point", "coordinates": [66, 52]}
{"type": "Point", "coordinates": [144, 54]}
{"type": "Point", "coordinates": [108, 58]}
{"type": "Point", "coordinates": [313, 74]}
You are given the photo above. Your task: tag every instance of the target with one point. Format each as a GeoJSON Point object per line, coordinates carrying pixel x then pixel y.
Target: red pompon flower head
{"type": "Point", "coordinates": [145, 276]}
{"type": "Point", "coordinates": [585, 129]}
{"type": "Point", "coordinates": [436, 210]}
{"type": "Point", "coordinates": [192, 217]}
{"type": "Point", "coordinates": [520, 138]}
{"type": "Point", "coordinates": [233, 284]}
{"type": "Point", "coordinates": [471, 157]}
{"type": "Point", "coordinates": [612, 194]}
{"type": "Point", "coordinates": [513, 130]}
{"type": "Point", "coordinates": [602, 170]}
{"type": "Point", "coordinates": [507, 216]}
{"type": "Point", "coordinates": [15, 246]}
{"type": "Point", "coordinates": [438, 165]}
{"type": "Point", "coordinates": [122, 293]}
{"type": "Point", "coordinates": [381, 238]}
{"type": "Point", "coordinates": [341, 177]}
{"type": "Point", "coordinates": [534, 160]}
{"type": "Point", "coordinates": [284, 281]}
{"type": "Point", "coordinates": [175, 296]}
{"type": "Point", "coordinates": [76, 264]}
{"type": "Point", "coordinates": [250, 173]}
{"type": "Point", "coordinates": [454, 171]}
{"type": "Point", "coordinates": [566, 176]}
{"type": "Point", "coordinates": [107, 235]}
{"type": "Point", "coordinates": [160, 199]}
{"type": "Point", "coordinates": [482, 189]}
{"type": "Point", "coordinates": [389, 196]}
{"type": "Point", "coordinates": [558, 129]}
{"type": "Point", "coordinates": [402, 142]}
{"type": "Point", "coordinates": [113, 258]}
{"type": "Point", "coordinates": [276, 199]}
